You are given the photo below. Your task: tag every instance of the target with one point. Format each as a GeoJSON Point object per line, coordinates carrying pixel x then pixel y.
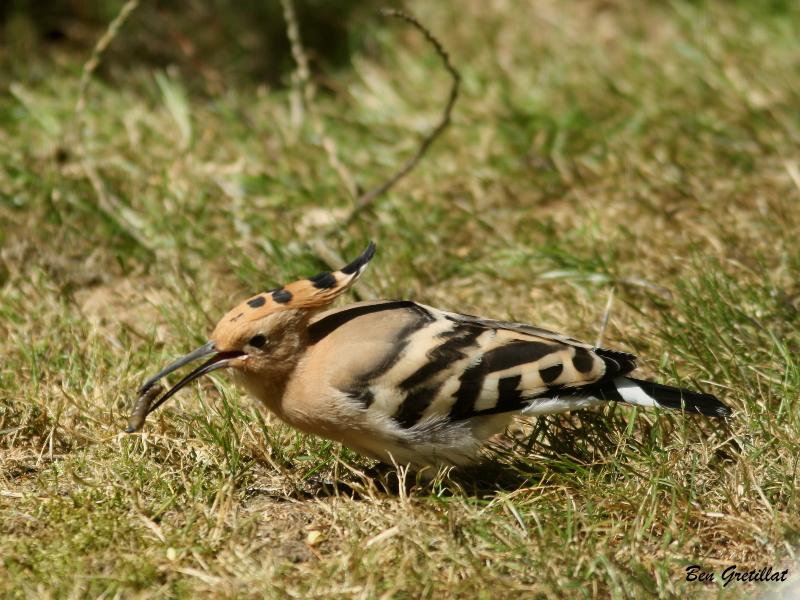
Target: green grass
{"type": "Point", "coordinates": [647, 150]}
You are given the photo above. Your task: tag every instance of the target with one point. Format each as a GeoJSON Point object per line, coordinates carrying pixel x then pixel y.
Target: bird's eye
{"type": "Point", "coordinates": [257, 341]}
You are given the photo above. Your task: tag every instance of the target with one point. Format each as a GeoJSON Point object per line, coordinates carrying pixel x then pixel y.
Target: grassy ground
{"type": "Point", "coordinates": [637, 156]}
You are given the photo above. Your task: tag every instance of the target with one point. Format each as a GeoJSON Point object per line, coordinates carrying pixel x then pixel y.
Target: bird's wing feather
{"type": "Point", "coordinates": [426, 363]}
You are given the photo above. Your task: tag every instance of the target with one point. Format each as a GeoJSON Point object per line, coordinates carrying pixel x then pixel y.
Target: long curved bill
{"type": "Point", "coordinates": [150, 390]}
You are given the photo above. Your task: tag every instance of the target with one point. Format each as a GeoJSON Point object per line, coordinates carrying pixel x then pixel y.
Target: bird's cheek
{"type": "Point", "coordinates": [249, 364]}
{"type": "Point", "coordinates": [241, 363]}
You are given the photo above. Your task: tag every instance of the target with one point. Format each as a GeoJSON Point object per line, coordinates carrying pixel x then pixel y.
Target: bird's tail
{"type": "Point", "coordinates": [647, 393]}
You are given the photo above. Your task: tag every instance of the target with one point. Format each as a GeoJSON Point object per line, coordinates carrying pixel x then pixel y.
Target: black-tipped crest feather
{"type": "Point", "coordinates": [362, 261]}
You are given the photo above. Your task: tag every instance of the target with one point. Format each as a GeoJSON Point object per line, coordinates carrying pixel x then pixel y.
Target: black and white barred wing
{"type": "Point", "coordinates": [565, 374]}
{"type": "Point", "coordinates": [529, 369]}
{"type": "Point", "coordinates": [431, 364]}
{"type": "Point", "coordinates": [543, 372]}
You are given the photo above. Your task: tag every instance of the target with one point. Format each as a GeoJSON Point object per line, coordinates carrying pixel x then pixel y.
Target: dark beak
{"type": "Point", "coordinates": [218, 360]}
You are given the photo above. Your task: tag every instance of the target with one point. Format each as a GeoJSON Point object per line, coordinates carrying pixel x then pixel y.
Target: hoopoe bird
{"type": "Point", "coordinates": [402, 382]}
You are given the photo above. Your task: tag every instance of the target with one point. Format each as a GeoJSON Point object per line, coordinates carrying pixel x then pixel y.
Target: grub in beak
{"type": "Point", "coordinates": [142, 408]}
{"type": "Point", "coordinates": [150, 390]}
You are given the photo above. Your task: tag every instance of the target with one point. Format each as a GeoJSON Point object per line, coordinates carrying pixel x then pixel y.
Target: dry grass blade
{"type": "Point", "coordinates": [94, 60]}
{"type": "Point", "coordinates": [606, 315]}
{"type": "Point", "coordinates": [106, 201]}
{"type": "Point", "coordinates": [307, 88]}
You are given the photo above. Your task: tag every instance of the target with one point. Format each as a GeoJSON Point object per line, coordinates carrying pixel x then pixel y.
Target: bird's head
{"type": "Point", "coordinates": [262, 333]}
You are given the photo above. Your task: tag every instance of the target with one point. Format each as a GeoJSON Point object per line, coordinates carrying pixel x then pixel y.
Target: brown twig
{"type": "Point", "coordinates": [307, 89]}
{"type": "Point", "coordinates": [108, 203]}
{"type": "Point", "coordinates": [367, 198]}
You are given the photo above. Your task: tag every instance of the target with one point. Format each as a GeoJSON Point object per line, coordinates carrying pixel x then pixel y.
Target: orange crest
{"type": "Point", "coordinates": [316, 293]}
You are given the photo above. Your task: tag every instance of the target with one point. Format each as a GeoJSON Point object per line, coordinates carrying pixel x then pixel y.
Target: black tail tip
{"type": "Point", "coordinates": [711, 407]}
{"type": "Point", "coordinates": [701, 404]}
{"type": "Point", "coordinates": [681, 399]}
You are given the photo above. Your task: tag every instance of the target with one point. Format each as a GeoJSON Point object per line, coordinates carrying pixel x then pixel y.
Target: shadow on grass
{"type": "Point", "coordinates": [567, 449]}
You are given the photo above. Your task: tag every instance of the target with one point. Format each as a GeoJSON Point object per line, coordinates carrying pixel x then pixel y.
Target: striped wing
{"type": "Point", "coordinates": [428, 363]}
{"type": "Point", "coordinates": [523, 364]}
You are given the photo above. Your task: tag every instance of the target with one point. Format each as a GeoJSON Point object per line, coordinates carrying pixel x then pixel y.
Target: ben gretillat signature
{"type": "Point", "coordinates": [696, 573]}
